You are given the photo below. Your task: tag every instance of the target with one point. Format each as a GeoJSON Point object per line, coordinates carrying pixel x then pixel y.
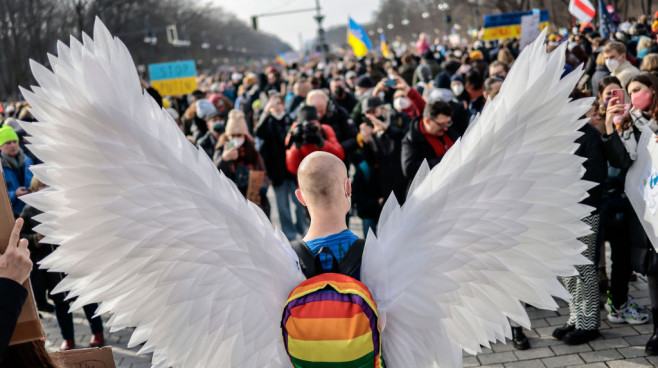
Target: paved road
{"type": "Point", "coordinates": [621, 346]}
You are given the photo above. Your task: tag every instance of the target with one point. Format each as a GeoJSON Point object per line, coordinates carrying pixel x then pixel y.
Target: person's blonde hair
{"type": "Point", "coordinates": [649, 63]}
{"type": "Point", "coordinates": [35, 184]}
{"type": "Point", "coordinates": [505, 55]}
{"type": "Point", "coordinates": [643, 43]}
{"type": "Point", "coordinates": [600, 59]}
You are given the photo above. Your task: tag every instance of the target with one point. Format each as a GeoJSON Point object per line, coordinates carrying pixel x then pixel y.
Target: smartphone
{"type": "Point", "coordinates": [619, 93]}
{"type": "Point", "coordinates": [228, 145]}
{"type": "Point", "coordinates": [391, 83]}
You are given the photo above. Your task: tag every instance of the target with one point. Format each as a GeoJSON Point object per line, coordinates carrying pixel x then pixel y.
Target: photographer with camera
{"type": "Point", "coordinates": [307, 135]}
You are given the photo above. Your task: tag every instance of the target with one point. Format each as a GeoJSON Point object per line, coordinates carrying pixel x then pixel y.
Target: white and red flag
{"type": "Point", "coordinates": [583, 10]}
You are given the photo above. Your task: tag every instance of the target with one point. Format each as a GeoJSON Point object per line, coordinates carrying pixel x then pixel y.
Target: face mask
{"type": "Point", "coordinates": [612, 64]}
{"type": "Point", "coordinates": [458, 89]}
{"type": "Point", "coordinates": [401, 103]}
{"type": "Point", "coordinates": [279, 116]}
{"type": "Point", "coordinates": [641, 100]}
{"type": "Point", "coordinates": [237, 141]}
{"type": "Point", "coordinates": [218, 127]}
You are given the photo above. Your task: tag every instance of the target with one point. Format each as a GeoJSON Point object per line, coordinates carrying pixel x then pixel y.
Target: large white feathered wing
{"type": "Point", "coordinates": [494, 223]}
{"type": "Point", "coordinates": [146, 224]}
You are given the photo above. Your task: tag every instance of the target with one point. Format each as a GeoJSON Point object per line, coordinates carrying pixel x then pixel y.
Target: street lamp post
{"type": "Point", "coordinates": [443, 8]}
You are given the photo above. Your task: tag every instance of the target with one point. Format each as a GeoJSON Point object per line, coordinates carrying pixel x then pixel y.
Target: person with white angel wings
{"type": "Point", "coordinates": [178, 253]}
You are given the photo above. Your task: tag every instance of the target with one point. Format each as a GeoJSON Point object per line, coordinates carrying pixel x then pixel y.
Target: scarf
{"type": "Point", "coordinates": [440, 144]}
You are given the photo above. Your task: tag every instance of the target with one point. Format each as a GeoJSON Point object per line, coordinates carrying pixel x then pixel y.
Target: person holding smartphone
{"type": "Point", "coordinates": [620, 143]}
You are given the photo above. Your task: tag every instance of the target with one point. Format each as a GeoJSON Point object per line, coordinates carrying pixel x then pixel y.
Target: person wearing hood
{"type": "Point", "coordinates": [619, 66]}
{"type": "Point", "coordinates": [362, 90]}
{"type": "Point", "coordinates": [215, 122]}
{"type": "Point", "coordinates": [16, 168]}
{"type": "Point", "coordinates": [424, 78]}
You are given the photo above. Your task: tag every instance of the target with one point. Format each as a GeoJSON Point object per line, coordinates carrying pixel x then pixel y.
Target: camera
{"type": "Point", "coordinates": [307, 133]}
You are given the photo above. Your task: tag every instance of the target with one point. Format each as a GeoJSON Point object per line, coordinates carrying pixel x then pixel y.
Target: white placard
{"type": "Point", "coordinates": [642, 184]}
{"type": "Point", "coordinates": [529, 29]}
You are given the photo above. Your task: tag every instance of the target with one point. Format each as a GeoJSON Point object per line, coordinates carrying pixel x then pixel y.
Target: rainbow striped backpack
{"type": "Point", "coordinates": [330, 320]}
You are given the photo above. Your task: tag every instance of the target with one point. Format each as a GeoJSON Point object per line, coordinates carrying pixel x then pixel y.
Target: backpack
{"type": "Point", "coordinates": [330, 320]}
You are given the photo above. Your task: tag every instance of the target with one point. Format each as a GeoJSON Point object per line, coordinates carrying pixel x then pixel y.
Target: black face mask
{"type": "Point", "coordinates": [218, 126]}
{"type": "Point", "coordinates": [339, 92]}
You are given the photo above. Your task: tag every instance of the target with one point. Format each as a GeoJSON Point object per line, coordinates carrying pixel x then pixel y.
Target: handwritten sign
{"type": "Point", "coordinates": [175, 78]}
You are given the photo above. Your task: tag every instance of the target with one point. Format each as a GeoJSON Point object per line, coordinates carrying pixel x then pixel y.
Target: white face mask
{"type": "Point", "coordinates": [401, 103]}
{"type": "Point", "coordinates": [458, 89]}
{"type": "Point", "coordinates": [612, 64]}
{"type": "Point", "coordinates": [279, 116]}
{"type": "Point", "coordinates": [237, 141]}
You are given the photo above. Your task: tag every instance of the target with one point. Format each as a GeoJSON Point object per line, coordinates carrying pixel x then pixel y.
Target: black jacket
{"type": "Point", "coordinates": [383, 155]}
{"type": "Point", "coordinates": [273, 150]}
{"type": "Point", "coordinates": [596, 168]}
{"type": "Point", "coordinates": [348, 102]}
{"type": "Point", "coordinates": [366, 191]}
{"type": "Point", "coordinates": [416, 148]}
{"type": "Point", "coordinates": [339, 120]}
{"type": "Point", "coordinates": [11, 303]}
{"type": "Point", "coordinates": [207, 143]}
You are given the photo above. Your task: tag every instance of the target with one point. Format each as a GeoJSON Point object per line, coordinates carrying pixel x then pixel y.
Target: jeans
{"type": "Point", "coordinates": [65, 319]}
{"type": "Point", "coordinates": [367, 223]}
{"type": "Point", "coordinates": [284, 193]}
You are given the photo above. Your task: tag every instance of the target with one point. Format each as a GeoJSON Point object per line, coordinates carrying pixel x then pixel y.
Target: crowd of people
{"type": "Point", "coordinates": [383, 118]}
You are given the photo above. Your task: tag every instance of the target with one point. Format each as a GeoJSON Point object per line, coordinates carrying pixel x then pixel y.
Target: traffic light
{"type": "Point", "coordinates": [254, 22]}
{"type": "Point", "coordinates": [448, 18]}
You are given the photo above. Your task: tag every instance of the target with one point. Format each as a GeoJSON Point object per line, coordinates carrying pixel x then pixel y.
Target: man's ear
{"type": "Point", "coordinates": [348, 187]}
{"type": "Point", "coordinates": [300, 196]}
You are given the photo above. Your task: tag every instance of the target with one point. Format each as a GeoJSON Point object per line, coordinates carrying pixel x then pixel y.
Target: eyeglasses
{"type": "Point", "coordinates": [442, 124]}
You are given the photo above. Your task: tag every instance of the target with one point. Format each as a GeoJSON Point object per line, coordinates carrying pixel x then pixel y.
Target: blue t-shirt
{"type": "Point", "coordinates": [337, 243]}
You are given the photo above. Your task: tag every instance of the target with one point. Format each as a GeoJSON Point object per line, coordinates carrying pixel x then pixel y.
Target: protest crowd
{"type": "Point", "coordinates": [383, 116]}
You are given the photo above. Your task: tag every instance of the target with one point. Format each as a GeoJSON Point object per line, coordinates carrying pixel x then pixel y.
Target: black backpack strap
{"type": "Point", "coordinates": [352, 259]}
{"type": "Point", "coordinates": [306, 258]}
{"type": "Point", "coordinates": [318, 263]}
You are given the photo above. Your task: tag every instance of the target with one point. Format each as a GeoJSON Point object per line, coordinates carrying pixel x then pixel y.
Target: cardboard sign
{"type": "Point", "coordinates": [508, 25]}
{"type": "Point", "coordinates": [256, 180]}
{"type": "Point", "coordinates": [642, 184]}
{"type": "Point", "coordinates": [28, 328]}
{"type": "Point", "coordinates": [176, 78]}
{"type": "Point", "coordinates": [85, 358]}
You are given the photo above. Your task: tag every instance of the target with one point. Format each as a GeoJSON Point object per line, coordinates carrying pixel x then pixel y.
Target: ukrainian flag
{"type": "Point", "coordinates": [358, 39]}
{"type": "Point", "coordinates": [386, 52]}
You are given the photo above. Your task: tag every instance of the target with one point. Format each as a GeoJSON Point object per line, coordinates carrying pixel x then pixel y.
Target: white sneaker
{"type": "Point", "coordinates": [630, 312]}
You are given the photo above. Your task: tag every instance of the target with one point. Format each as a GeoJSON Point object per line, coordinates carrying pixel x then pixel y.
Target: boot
{"type": "Point", "coordinates": [652, 345]}
{"type": "Point", "coordinates": [97, 340]}
{"type": "Point", "coordinates": [519, 339]}
{"type": "Point", "coordinates": [67, 345]}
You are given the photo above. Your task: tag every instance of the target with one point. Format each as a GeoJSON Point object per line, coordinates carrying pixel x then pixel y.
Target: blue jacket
{"type": "Point", "coordinates": [13, 183]}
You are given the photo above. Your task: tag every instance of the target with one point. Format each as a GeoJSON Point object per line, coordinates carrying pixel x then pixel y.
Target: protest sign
{"type": "Point", "coordinates": [529, 29]}
{"type": "Point", "coordinates": [28, 327]}
{"type": "Point", "coordinates": [642, 183]}
{"type": "Point", "coordinates": [85, 358]}
{"type": "Point", "coordinates": [508, 25]}
{"type": "Point", "coordinates": [175, 78]}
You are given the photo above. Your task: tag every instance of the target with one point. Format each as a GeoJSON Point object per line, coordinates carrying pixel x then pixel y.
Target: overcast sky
{"type": "Point", "coordinates": [288, 27]}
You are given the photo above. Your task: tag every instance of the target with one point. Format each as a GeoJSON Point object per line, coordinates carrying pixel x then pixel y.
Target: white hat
{"type": "Point", "coordinates": [204, 108]}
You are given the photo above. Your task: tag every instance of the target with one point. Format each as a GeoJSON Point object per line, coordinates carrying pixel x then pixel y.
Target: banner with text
{"type": "Point", "coordinates": [175, 78]}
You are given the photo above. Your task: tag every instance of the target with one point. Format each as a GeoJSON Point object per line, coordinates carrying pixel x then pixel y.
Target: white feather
{"type": "Point", "coordinates": [494, 223]}
{"type": "Point", "coordinates": [146, 224]}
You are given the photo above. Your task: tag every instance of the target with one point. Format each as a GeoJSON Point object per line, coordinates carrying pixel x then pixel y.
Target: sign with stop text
{"type": "Point", "coordinates": [175, 78]}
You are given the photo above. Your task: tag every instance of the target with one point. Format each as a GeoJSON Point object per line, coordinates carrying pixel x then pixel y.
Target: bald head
{"type": "Point", "coordinates": [322, 179]}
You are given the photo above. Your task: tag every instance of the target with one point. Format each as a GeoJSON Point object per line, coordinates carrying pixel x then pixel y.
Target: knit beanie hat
{"type": "Point", "coordinates": [236, 123]}
{"type": "Point", "coordinates": [7, 134]}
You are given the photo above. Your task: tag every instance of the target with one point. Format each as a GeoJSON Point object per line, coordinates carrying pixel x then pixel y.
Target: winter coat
{"type": "Point", "coordinates": [11, 304]}
{"type": "Point", "coordinates": [15, 178]}
{"type": "Point", "coordinates": [600, 72]}
{"type": "Point", "coordinates": [416, 148]}
{"type": "Point", "coordinates": [596, 168]}
{"type": "Point", "coordinates": [344, 128]}
{"type": "Point", "coordinates": [273, 150]}
{"type": "Point", "coordinates": [366, 191]}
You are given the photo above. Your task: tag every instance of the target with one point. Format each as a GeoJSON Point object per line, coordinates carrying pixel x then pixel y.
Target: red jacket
{"type": "Point", "coordinates": [417, 104]}
{"type": "Point", "coordinates": [294, 155]}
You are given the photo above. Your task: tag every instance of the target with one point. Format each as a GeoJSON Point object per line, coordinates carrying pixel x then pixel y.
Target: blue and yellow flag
{"type": "Point", "coordinates": [386, 52]}
{"type": "Point", "coordinates": [508, 25]}
{"type": "Point", "coordinates": [358, 39]}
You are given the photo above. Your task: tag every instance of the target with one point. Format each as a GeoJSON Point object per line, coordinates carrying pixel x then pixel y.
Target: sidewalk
{"type": "Point", "coordinates": [621, 346]}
